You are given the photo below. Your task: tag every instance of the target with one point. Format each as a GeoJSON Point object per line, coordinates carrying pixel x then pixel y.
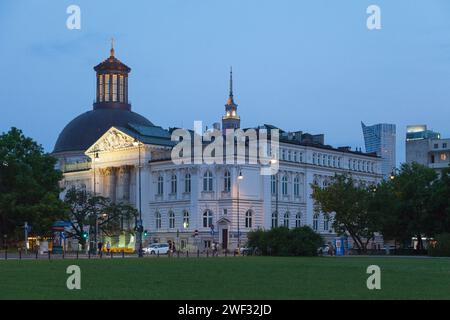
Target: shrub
{"type": "Point", "coordinates": [441, 247]}
{"type": "Point", "coordinates": [286, 242]}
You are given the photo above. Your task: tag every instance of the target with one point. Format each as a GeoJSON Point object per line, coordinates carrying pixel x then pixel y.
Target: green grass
{"type": "Point", "coordinates": [228, 278]}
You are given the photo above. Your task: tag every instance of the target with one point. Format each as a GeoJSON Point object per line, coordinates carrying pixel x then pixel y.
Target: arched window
{"type": "Point", "coordinates": [185, 219]}
{"type": "Point", "coordinates": [296, 186]}
{"type": "Point", "coordinates": [227, 181]}
{"type": "Point", "coordinates": [160, 185]}
{"type": "Point", "coordinates": [298, 220]}
{"type": "Point", "coordinates": [273, 184]}
{"type": "Point", "coordinates": [316, 222]}
{"type": "Point", "coordinates": [286, 220]}
{"type": "Point", "coordinates": [207, 219]}
{"type": "Point", "coordinates": [248, 219]}
{"type": "Point", "coordinates": [187, 183]}
{"type": "Point", "coordinates": [158, 220]}
{"type": "Point", "coordinates": [274, 219]}
{"type": "Point", "coordinates": [284, 185]}
{"type": "Point", "coordinates": [173, 184]}
{"type": "Point", "coordinates": [208, 181]}
{"type": "Point", "coordinates": [171, 220]}
{"type": "Point", "coordinates": [326, 223]}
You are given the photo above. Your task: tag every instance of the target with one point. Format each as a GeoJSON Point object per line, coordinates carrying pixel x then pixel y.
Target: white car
{"type": "Point", "coordinates": [157, 248]}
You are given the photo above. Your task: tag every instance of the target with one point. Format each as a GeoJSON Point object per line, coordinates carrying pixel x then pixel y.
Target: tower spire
{"type": "Point", "coordinates": [112, 47]}
{"type": "Point", "coordinates": [231, 82]}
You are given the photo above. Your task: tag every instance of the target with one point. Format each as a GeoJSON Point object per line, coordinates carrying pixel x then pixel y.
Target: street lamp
{"type": "Point", "coordinates": [239, 178]}
{"type": "Point", "coordinates": [274, 160]}
{"type": "Point", "coordinates": [96, 159]}
{"type": "Point", "coordinates": [136, 143]}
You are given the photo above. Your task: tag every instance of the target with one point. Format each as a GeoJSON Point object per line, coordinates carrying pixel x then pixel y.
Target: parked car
{"type": "Point", "coordinates": [157, 248]}
{"type": "Point", "coordinates": [323, 250]}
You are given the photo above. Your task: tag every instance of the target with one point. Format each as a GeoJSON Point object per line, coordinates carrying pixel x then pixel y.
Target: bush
{"type": "Point", "coordinates": [441, 248]}
{"type": "Point", "coordinates": [286, 242]}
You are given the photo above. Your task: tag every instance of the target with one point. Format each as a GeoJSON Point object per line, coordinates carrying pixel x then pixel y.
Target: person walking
{"type": "Point", "coordinates": [100, 248]}
{"type": "Point", "coordinates": [108, 246]}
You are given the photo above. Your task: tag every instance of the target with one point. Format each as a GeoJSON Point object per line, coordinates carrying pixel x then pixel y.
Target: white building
{"type": "Point", "coordinates": [178, 200]}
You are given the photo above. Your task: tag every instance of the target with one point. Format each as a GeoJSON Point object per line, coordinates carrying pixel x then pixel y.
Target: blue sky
{"type": "Point", "coordinates": [300, 65]}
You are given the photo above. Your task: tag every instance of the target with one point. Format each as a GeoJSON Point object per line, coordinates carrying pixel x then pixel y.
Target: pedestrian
{"type": "Point", "coordinates": [100, 247]}
{"type": "Point", "coordinates": [330, 249]}
{"type": "Point", "coordinates": [108, 246]}
{"type": "Point", "coordinates": [215, 249]}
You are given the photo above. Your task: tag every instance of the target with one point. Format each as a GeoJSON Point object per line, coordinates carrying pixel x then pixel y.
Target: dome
{"type": "Point", "coordinates": [84, 130]}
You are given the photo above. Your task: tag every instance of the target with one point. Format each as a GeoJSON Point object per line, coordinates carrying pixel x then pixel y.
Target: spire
{"type": "Point", "coordinates": [230, 101]}
{"type": "Point", "coordinates": [112, 47]}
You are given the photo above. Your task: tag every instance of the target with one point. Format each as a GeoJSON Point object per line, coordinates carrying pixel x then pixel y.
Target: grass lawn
{"type": "Point", "coordinates": [227, 278]}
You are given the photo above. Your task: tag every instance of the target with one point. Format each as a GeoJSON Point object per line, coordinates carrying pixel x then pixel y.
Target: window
{"type": "Point", "coordinates": [185, 219]}
{"type": "Point", "coordinates": [225, 212]}
{"type": "Point", "coordinates": [334, 162]}
{"type": "Point", "coordinates": [324, 159]}
{"type": "Point", "coordinates": [208, 181]}
{"type": "Point", "coordinates": [173, 184]}
{"type": "Point", "coordinates": [100, 88]}
{"type": "Point", "coordinates": [227, 181]}
{"type": "Point", "coordinates": [314, 158]}
{"type": "Point", "coordinates": [106, 87]}
{"type": "Point", "coordinates": [329, 161]}
{"type": "Point", "coordinates": [432, 158]}
{"type": "Point", "coordinates": [248, 219]}
{"type": "Point", "coordinates": [286, 220]}
{"type": "Point", "coordinates": [160, 185]}
{"type": "Point", "coordinates": [284, 185]}
{"type": "Point", "coordinates": [283, 154]}
{"type": "Point", "coordinates": [158, 220]}
{"type": "Point", "coordinates": [316, 222]}
{"type": "Point", "coordinates": [298, 220]}
{"type": "Point", "coordinates": [297, 186]}
{"type": "Point", "coordinates": [171, 220]}
{"type": "Point", "coordinates": [443, 156]}
{"type": "Point", "coordinates": [273, 184]}
{"type": "Point", "coordinates": [114, 87]}
{"type": "Point", "coordinates": [295, 156]}
{"type": "Point", "coordinates": [121, 91]}
{"type": "Point", "coordinates": [339, 162]}
{"type": "Point", "coordinates": [326, 223]}
{"type": "Point", "coordinates": [187, 183]}
{"type": "Point", "coordinates": [444, 145]}
{"type": "Point", "coordinates": [289, 155]}
{"type": "Point", "coordinates": [207, 219]}
{"type": "Point", "coordinates": [274, 219]}
{"type": "Point", "coordinates": [436, 145]}
{"type": "Point", "coordinates": [300, 157]}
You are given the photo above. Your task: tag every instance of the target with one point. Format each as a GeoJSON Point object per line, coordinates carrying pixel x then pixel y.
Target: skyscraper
{"type": "Point", "coordinates": [380, 138]}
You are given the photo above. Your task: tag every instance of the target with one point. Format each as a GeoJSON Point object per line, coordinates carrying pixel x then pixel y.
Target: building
{"type": "Point", "coordinates": [426, 147]}
{"type": "Point", "coordinates": [129, 159]}
{"type": "Point", "coordinates": [381, 139]}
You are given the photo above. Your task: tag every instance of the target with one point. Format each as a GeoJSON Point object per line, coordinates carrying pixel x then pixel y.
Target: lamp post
{"type": "Point", "coordinates": [275, 161]}
{"type": "Point", "coordinates": [96, 159]}
{"type": "Point", "coordinates": [239, 178]}
{"type": "Point", "coordinates": [136, 143]}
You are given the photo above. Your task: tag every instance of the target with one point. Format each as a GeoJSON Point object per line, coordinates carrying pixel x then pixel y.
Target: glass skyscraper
{"type": "Point", "coordinates": [381, 139]}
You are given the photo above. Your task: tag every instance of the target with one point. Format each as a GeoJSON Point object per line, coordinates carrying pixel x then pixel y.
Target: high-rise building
{"type": "Point", "coordinates": [426, 147]}
{"type": "Point", "coordinates": [380, 139]}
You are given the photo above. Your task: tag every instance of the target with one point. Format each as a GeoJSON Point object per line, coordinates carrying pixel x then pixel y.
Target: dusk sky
{"type": "Point", "coordinates": [300, 65]}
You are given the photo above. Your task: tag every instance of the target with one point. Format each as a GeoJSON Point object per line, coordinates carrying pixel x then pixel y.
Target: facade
{"type": "Point", "coordinates": [426, 147]}
{"type": "Point", "coordinates": [216, 202]}
{"type": "Point", "coordinates": [381, 139]}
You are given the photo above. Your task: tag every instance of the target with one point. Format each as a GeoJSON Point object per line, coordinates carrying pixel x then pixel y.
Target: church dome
{"type": "Point", "coordinates": [84, 130]}
{"type": "Point", "coordinates": [111, 109]}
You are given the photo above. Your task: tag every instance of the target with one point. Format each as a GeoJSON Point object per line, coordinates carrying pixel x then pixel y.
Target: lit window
{"type": "Point", "coordinates": [100, 88]}
{"type": "Point", "coordinates": [121, 89]}
{"type": "Point", "coordinates": [185, 219]}
{"type": "Point", "coordinates": [443, 156]}
{"type": "Point", "coordinates": [114, 87]}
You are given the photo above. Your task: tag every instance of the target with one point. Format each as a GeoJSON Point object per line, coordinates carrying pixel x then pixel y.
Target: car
{"type": "Point", "coordinates": [323, 250]}
{"type": "Point", "coordinates": [157, 248]}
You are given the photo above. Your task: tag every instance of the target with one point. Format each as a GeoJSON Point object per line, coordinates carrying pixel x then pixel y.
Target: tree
{"type": "Point", "coordinates": [440, 203]}
{"type": "Point", "coordinates": [86, 211]}
{"type": "Point", "coordinates": [29, 185]}
{"type": "Point", "coordinates": [413, 189]}
{"type": "Point", "coordinates": [350, 204]}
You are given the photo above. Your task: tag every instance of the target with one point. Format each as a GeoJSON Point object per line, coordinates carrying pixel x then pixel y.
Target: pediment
{"type": "Point", "coordinates": [113, 140]}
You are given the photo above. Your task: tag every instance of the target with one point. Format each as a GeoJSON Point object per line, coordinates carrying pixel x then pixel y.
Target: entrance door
{"type": "Point", "coordinates": [225, 239]}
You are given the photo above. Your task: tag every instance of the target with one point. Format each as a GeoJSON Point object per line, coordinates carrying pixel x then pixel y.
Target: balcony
{"type": "Point", "coordinates": [75, 167]}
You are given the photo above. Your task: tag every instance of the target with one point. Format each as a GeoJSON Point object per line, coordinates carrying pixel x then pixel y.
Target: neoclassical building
{"type": "Point", "coordinates": [117, 153]}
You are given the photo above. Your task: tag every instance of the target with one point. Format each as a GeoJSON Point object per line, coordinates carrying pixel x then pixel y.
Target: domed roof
{"type": "Point", "coordinates": [84, 130]}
